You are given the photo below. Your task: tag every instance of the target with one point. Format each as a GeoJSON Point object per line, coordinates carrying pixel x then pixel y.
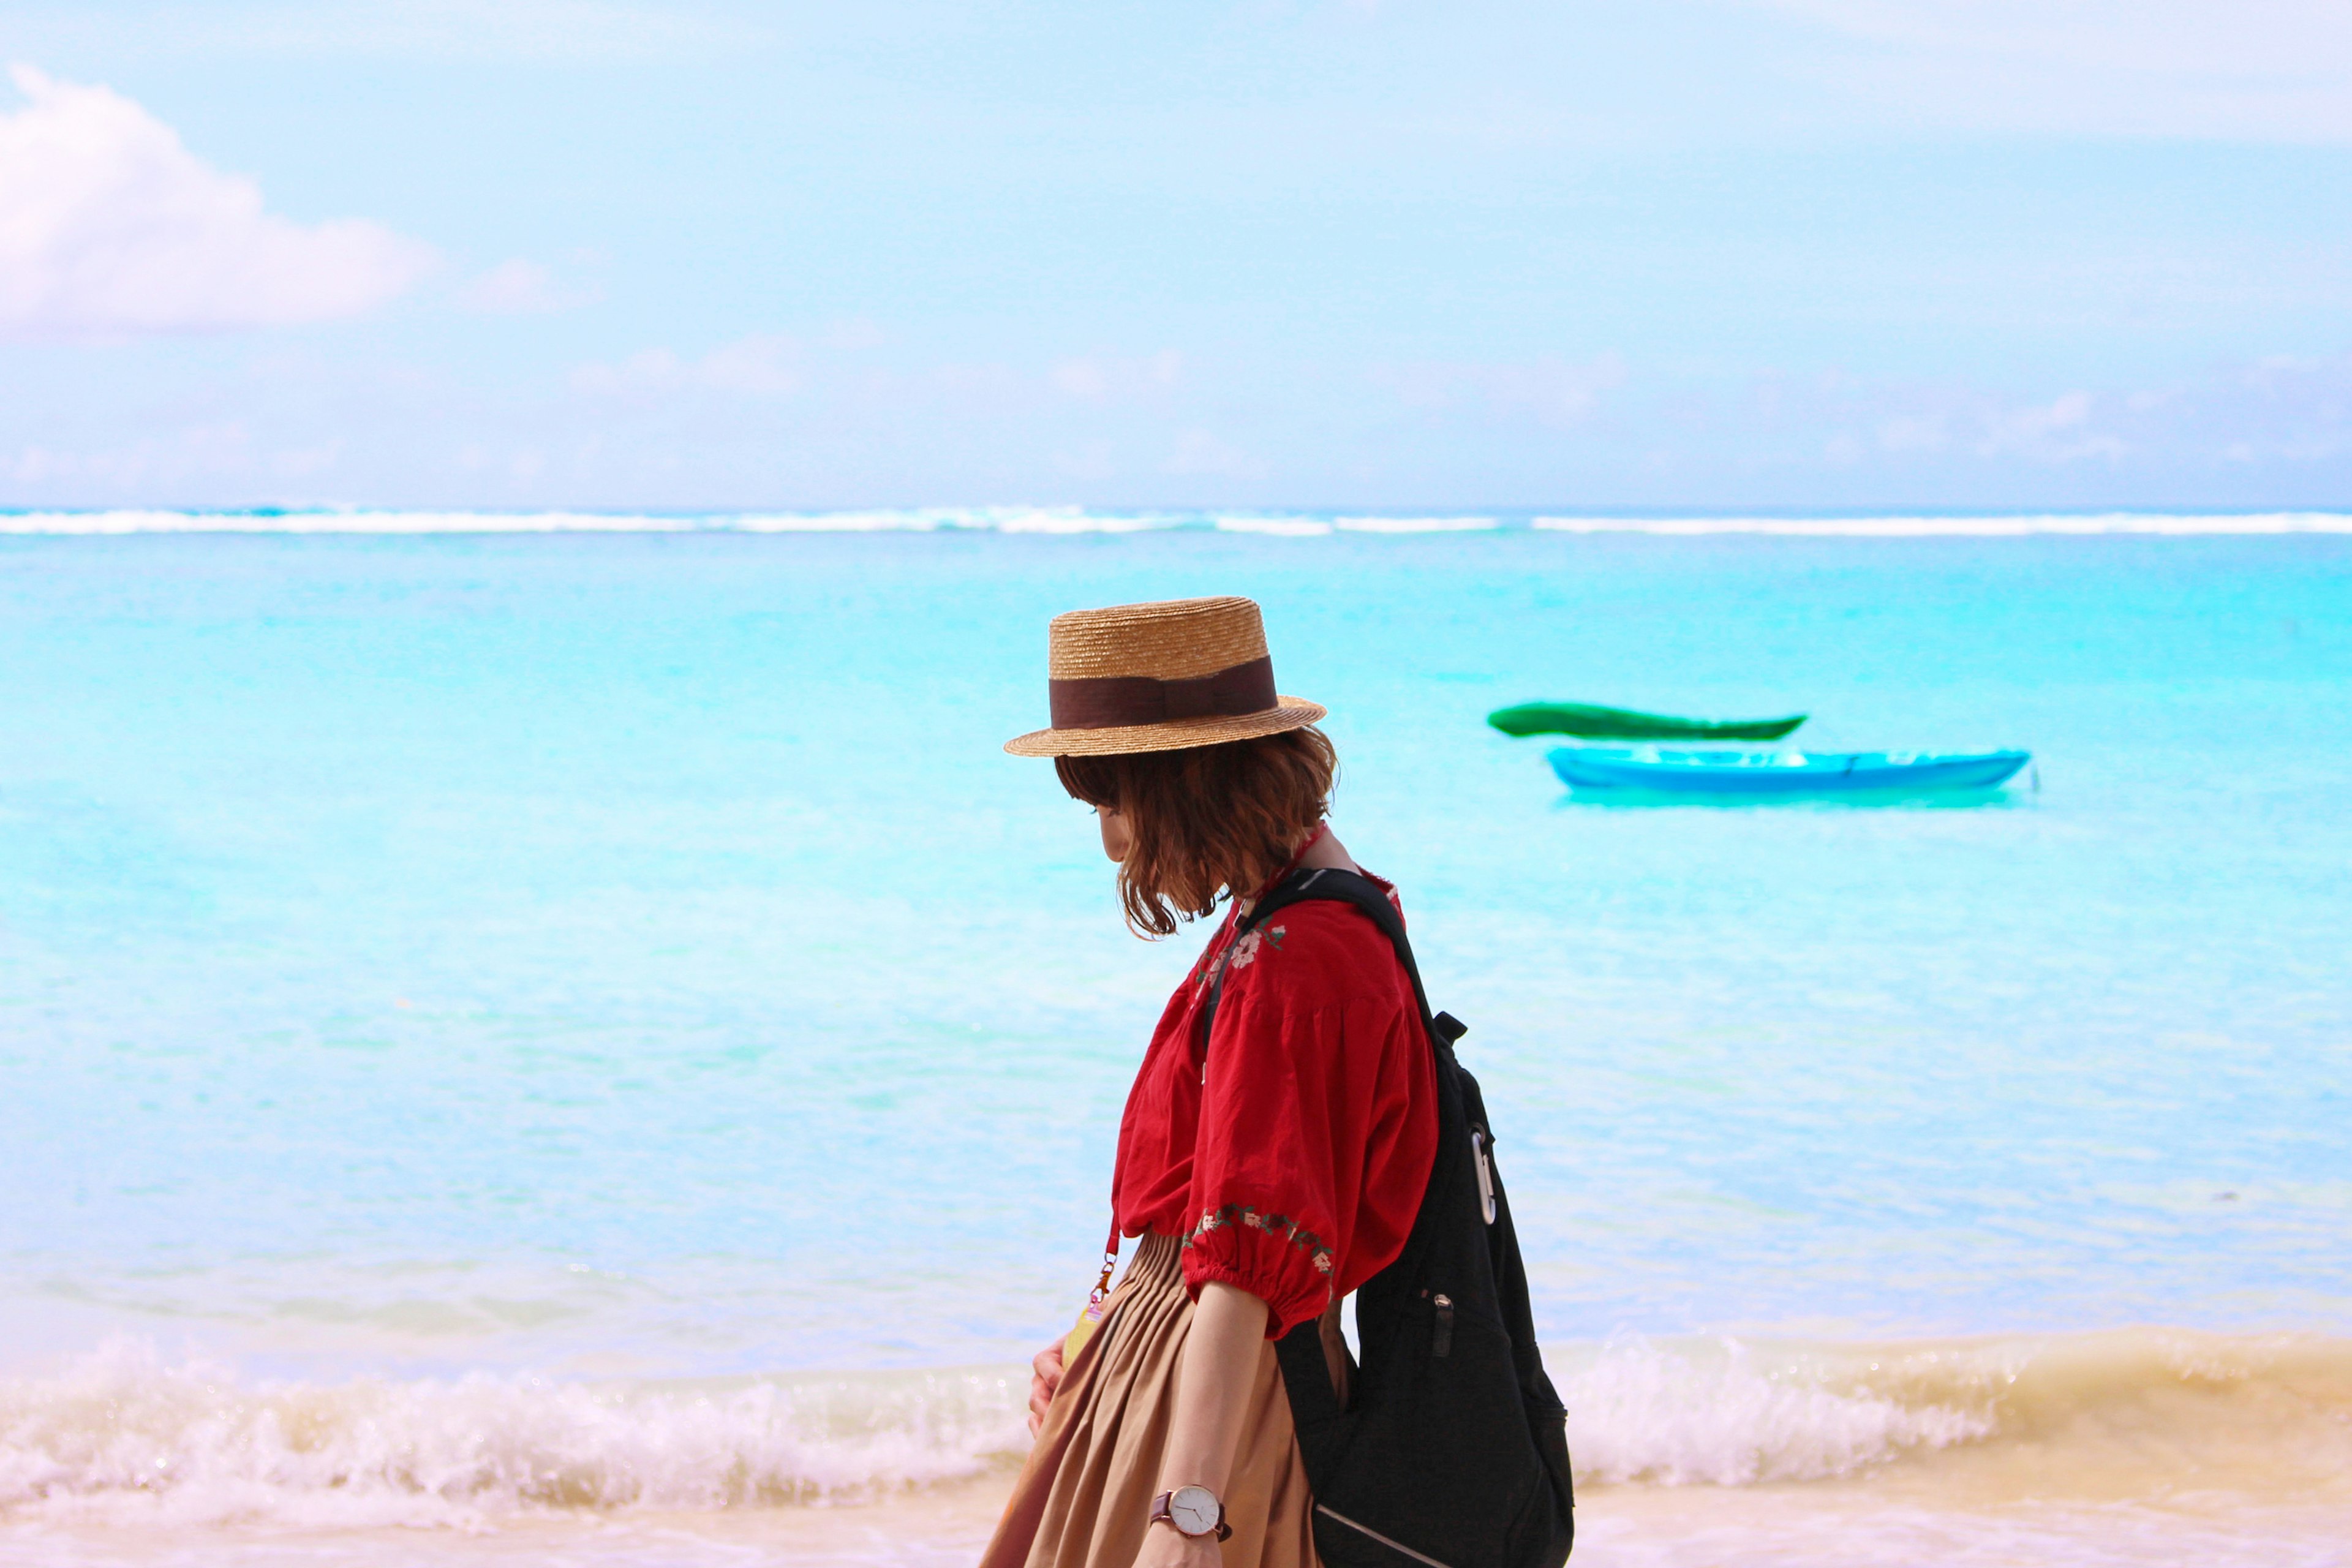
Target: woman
{"type": "Point", "coordinates": [1270, 1168]}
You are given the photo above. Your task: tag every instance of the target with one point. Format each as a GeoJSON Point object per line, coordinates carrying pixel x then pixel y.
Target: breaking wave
{"type": "Point", "coordinates": [1722, 1415]}
{"type": "Point", "coordinates": [1016, 520]}
{"type": "Point", "coordinates": [123, 1437]}
{"type": "Point", "coordinates": [1986, 527]}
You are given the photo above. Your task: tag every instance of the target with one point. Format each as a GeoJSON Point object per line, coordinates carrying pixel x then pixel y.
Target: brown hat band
{"type": "Point", "coordinates": [1113, 701]}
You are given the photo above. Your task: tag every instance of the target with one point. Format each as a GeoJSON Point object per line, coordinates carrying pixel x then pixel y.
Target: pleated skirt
{"type": "Point", "coordinates": [1084, 1498]}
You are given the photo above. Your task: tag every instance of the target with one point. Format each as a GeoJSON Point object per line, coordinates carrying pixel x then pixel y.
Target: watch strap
{"type": "Point", "coordinates": [1162, 1512]}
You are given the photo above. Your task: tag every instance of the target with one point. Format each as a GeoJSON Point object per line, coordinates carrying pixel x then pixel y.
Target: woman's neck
{"type": "Point", "coordinates": [1324, 852]}
{"type": "Point", "coordinates": [1328, 854]}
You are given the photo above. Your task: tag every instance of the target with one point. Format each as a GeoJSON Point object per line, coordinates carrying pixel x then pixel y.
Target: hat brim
{"type": "Point", "coordinates": [1168, 734]}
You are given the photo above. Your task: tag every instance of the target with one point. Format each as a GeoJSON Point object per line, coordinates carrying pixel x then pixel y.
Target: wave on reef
{"type": "Point", "coordinates": [122, 1437]}
{"type": "Point", "coordinates": [1019, 520]}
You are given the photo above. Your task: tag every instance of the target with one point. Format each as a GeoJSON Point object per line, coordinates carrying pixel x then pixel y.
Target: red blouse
{"type": "Point", "coordinates": [1293, 1163]}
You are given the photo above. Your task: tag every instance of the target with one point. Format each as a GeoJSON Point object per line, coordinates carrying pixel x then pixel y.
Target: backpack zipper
{"type": "Point", "coordinates": [1334, 1513]}
{"type": "Point", "coordinates": [1442, 1342]}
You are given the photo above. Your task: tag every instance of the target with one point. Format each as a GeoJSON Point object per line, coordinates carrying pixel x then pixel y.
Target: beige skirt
{"type": "Point", "coordinates": [1083, 1499]}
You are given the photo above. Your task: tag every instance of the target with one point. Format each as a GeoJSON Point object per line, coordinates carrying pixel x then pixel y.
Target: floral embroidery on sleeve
{"type": "Point", "coordinates": [1288, 1229]}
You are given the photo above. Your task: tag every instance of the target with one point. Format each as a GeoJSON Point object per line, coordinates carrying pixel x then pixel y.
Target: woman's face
{"type": "Point", "coordinates": [1117, 839]}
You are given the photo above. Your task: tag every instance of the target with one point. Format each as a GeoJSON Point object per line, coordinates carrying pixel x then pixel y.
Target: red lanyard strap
{"type": "Point", "coordinates": [1101, 1292]}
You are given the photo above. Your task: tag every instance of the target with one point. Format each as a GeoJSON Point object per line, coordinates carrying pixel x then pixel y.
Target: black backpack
{"type": "Point", "coordinates": [1453, 1451]}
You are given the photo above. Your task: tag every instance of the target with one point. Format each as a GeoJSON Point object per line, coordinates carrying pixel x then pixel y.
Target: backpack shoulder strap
{"type": "Point", "coordinates": [1305, 1377]}
{"type": "Point", "coordinates": [1345, 888]}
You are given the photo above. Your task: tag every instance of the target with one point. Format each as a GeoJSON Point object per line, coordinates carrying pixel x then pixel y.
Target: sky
{"type": "Point", "coordinates": [1672, 254]}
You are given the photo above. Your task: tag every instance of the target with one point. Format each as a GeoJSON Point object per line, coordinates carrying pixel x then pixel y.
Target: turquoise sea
{"type": "Point", "coordinates": [568, 1039]}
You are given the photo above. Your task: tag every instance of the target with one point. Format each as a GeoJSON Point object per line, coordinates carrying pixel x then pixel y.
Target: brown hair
{"type": "Point", "coordinates": [1206, 820]}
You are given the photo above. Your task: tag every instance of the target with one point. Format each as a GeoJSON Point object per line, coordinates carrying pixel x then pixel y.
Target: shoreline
{"type": "Point", "coordinates": [1856, 1522]}
{"type": "Point", "coordinates": [123, 1442]}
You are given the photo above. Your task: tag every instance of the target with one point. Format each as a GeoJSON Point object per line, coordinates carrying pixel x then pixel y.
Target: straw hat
{"type": "Point", "coordinates": [1161, 677]}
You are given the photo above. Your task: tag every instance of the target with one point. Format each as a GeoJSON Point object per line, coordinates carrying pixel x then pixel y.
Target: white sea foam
{"type": "Point", "coordinates": [1963, 527]}
{"type": "Point", "coordinates": [1079, 520]}
{"type": "Point", "coordinates": [1071, 520]}
{"type": "Point", "coordinates": [123, 1437]}
{"type": "Point", "coordinates": [926, 520]}
{"type": "Point", "coordinates": [1415, 525]}
{"type": "Point", "coordinates": [1719, 1416]}
{"type": "Point", "coordinates": [1292, 527]}
{"type": "Point", "coordinates": [139, 522]}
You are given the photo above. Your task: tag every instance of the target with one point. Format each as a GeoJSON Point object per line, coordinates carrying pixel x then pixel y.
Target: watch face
{"type": "Point", "coordinates": [1194, 1509]}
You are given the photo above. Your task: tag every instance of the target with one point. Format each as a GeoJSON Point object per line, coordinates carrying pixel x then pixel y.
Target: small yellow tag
{"type": "Point", "coordinates": [1075, 1340]}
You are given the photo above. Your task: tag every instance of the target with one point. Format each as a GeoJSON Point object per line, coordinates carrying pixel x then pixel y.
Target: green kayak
{"type": "Point", "coordinates": [1590, 721]}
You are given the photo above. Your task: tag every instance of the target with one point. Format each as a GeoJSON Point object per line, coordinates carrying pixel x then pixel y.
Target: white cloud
{"type": "Point", "coordinates": [1913, 433]}
{"type": "Point", "coordinates": [1555, 391]}
{"type": "Point", "coordinates": [2274, 412]}
{"type": "Point", "coordinates": [1202, 452]}
{"type": "Point", "coordinates": [1935, 423]}
{"type": "Point", "coordinates": [647, 371]}
{"type": "Point", "coordinates": [2280, 40]}
{"type": "Point", "coordinates": [1080, 378]}
{"type": "Point", "coordinates": [109, 224]}
{"type": "Point", "coordinates": [765, 364]}
{"type": "Point", "coordinates": [2259, 431]}
{"type": "Point", "coordinates": [2260, 69]}
{"type": "Point", "coordinates": [1093, 378]}
{"type": "Point", "coordinates": [761, 364]}
{"type": "Point", "coordinates": [835, 359]}
{"type": "Point", "coordinates": [209, 450]}
{"type": "Point", "coordinates": [852, 333]}
{"type": "Point", "coordinates": [2059, 431]}
{"type": "Point", "coordinates": [521, 287]}
{"type": "Point", "coordinates": [1091, 461]}
{"type": "Point", "coordinates": [556, 31]}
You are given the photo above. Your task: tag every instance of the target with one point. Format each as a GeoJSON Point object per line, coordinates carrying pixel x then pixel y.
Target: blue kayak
{"type": "Point", "coordinates": [1763, 772]}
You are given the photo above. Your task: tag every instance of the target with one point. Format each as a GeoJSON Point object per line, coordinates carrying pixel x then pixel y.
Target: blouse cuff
{"type": "Point", "coordinates": [1271, 1256]}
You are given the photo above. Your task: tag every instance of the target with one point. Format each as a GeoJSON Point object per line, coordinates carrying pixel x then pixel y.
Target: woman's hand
{"type": "Point", "coordinates": [1165, 1546]}
{"type": "Point", "coordinates": [1044, 1376]}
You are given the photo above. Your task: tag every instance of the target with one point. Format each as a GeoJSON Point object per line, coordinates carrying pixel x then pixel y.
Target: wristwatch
{"type": "Point", "coordinates": [1194, 1510]}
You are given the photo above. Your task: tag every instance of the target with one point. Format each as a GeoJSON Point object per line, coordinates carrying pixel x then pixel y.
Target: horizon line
{"type": "Point", "coordinates": [1889, 523]}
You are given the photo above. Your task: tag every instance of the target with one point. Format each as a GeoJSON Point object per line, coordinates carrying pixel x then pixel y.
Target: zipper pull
{"type": "Point", "coordinates": [1442, 1342]}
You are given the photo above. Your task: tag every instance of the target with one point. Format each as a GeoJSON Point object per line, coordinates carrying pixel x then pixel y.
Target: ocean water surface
{"type": "Point", "coordinates": [567, 1039]}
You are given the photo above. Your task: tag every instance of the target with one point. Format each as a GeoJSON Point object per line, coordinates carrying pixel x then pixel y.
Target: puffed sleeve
{"type": "Point", "coordinates": [1310, 1160]}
